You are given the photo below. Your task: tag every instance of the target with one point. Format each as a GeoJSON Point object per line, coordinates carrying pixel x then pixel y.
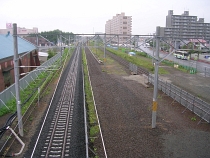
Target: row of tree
{"type": "Point", "coordinates": [55, 35]}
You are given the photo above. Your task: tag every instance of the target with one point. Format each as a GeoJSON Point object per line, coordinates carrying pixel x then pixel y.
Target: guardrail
{"type": "Point", "coordinates": [9, 93]}
{"type": "Point", "coordinates": [194, 104]}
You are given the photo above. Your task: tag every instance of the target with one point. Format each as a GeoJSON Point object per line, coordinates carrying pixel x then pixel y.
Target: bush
{"type": "Point", "coordinates": [51, 53]}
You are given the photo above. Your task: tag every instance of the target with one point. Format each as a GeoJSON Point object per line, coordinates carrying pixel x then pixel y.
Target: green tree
{"type": "Point", "coordinates": [54, 35]}
{"type": "Point", "coordinates": [51, 53]}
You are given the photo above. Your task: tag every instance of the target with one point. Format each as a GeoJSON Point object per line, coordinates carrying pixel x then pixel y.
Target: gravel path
{"type": "Point", "coordinates": [124, 108]}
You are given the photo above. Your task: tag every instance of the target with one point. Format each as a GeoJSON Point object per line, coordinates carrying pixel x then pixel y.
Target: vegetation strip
{"type": "Point", "coordinates": [34, 97]}
{"type": "Point", "coordinates": [92, 112]}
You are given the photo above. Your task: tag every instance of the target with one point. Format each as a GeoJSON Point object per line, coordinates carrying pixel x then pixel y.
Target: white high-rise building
{"type": "Point", "coordinates": [121, 25]}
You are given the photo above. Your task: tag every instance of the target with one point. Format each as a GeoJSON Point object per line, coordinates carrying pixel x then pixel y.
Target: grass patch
{"type": "Point", "coordinates": [110, 65]}
{"type": "Point", "coordinates": [29, 95]}
{"type": "Point", "coordinates": [139, 60]}
{"type": "Point", "coordinates": [93, 122]}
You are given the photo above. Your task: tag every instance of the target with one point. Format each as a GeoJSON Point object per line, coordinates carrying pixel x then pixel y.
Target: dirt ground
{"type": "Point", "coordinates": [124, 108]}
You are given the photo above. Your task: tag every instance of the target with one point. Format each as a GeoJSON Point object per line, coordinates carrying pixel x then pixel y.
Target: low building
{"type": "Point", "coordinates": [43, 57]}
{"type": "Point", "coordinates": [39, 41]}
{"type": "Point", "coordinates": [20, 30]}
{"type": "Point", "coordinates": [27, 56]}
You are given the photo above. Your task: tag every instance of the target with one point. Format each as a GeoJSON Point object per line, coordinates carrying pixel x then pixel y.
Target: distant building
{"type": "Point", "coordinates": [185, 26]}
{"type": "Point", "coordinates": [27, 54]}
{"type": "Point", "coordinates": [20, 30]}
{"type": "Point", "coordinates": [119, 24]}
{"type": "Point", "coordinates": [39, 41]}
{"type": "Point", "coordinates": [43, 57]}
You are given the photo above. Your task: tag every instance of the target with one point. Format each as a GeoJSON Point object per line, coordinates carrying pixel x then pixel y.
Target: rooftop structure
{"type": "Point", "coordinates": [7, 49]}
{"type": "Point", "coordinates": [27, 56]}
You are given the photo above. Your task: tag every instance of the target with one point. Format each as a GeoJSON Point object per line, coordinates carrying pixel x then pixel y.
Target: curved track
{"type": "Point", "coordinates": [62, 133]}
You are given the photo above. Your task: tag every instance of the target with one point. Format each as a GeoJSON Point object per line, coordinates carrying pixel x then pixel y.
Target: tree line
{"type": "Point", "coordinates": [55, 35]}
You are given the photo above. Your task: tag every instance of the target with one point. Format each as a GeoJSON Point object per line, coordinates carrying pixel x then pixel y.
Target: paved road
{"type": "Point", "coordinates": [201, 65]}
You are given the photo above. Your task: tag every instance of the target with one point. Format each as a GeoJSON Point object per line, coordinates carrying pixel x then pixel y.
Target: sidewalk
{"type": "Point", "coordinates": [202, 58]}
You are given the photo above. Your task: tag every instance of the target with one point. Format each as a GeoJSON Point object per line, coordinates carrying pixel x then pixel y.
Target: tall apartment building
{"type": "Point", "coordinates": [186, 26]}
{"type": "Point", "coordinates": [119, 24]}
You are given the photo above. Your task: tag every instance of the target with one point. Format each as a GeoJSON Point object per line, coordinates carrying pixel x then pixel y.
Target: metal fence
{"type": "Point", "coordinates": [194, 104]}
{"type": "Point", "coordinates": [133, 68]}
{"type": "Point", "coordinates": [9, 93]}
{"type": "Point", "coordinates": [189, 65]}
{"type": "Point", "coordinates": [206, 72]}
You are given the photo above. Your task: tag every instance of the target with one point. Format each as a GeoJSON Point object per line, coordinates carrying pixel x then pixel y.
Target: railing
{"type": "Point", "coordinates": [133, 68]}
{"type": "Point", "coordinates": [9, 93]}
{"type": "Point", "coordinates": [206, 71]}
{"type": "Point", "coordinates": [194, 104]}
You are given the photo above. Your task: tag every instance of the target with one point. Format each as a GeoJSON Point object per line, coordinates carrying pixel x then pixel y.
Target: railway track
{"type": "Point", "coordinates": [62, 133]}
{"type": "Point", "coordinates": [125, 63]}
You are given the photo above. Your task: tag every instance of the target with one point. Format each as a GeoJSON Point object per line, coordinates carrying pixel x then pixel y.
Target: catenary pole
{"type": "Point", "coordinates": [17, 88]}
{"type": "Point", "coordinates": [118, 41]}
{"type": "Point", "coordinates": [104, 47]}
{"type": "Point", "coordinates": [61, 47]}
{"type": "Point", "coordinates": [154, 105]}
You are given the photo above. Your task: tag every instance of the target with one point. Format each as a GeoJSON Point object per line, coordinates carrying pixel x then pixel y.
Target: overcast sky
{"type": "Point", "coordinates": [90, 16]}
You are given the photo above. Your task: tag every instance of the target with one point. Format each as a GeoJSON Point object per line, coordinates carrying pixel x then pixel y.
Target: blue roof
{"type": "Point", "coordinates": [7, 48]}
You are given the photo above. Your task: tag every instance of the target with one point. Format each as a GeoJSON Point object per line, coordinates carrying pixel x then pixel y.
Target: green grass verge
{"type": "Point", "coordinates": [139, 60]}
{"type": "Point", "coordinates": [25, 95]}
{"type": "Point", "coordinates": [93, 122]}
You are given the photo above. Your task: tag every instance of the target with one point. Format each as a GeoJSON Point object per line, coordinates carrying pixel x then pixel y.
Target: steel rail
{"type": "Point", "coordinates": [44, 121]}
{"type": "Point", "coordinates": [95, 106]}
{"type": "Point", "coordinates": [125, 63]}
{"type": "Point", "coordinates": [27, 115]}
{"type": "Point", "coordinates": [59, 136]}
{"type": "Point", "coordinates": [85, 113]}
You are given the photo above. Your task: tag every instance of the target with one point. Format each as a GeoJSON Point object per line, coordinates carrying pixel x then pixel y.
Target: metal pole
{"type": "Point", "coordinates": [205, 71]}
{"type": "Point", "coordinates": [38, 95]}
{"type": "Point", "coordinates": [153, 40]}
{"type": "Point", "coordinates": [154, 105]}
{"type": "Point", "coordinates": [61, 46]}
{"type": "Point", "coordinates": [17, 88]}
{"type": "Point", "coordinates": [95, 43]}
{"type": "Point", "coordinates": [104, 46]}
{"type": "Point", "coordinates": [37, 40]}
{"type": "Point", "coordinates": [69, 40]}
{"type": "Point", "coordinates": [118, 41]}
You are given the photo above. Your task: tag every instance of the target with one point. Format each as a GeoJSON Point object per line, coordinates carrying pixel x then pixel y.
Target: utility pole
{"type": "Point", "coordinates": [154, 105]}
{"type": "Point", "coordinates": [153, 40]}
{"type": "Point", "coordinates": [37, 40]}
{"type": "Point", "coordinates": [61, 47]}
{"type": "Point", "coordinates": [118, 41]}
{"type": "Point", "coordinates": [104, 46]}
{"type": "Point", "coordinates": [69, 41]}
{"type": "Point", "coordinates": [17, 88]}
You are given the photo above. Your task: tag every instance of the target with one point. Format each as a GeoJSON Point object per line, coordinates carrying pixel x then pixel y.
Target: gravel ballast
{"type": "Point", "coordinates": [124, 109]}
